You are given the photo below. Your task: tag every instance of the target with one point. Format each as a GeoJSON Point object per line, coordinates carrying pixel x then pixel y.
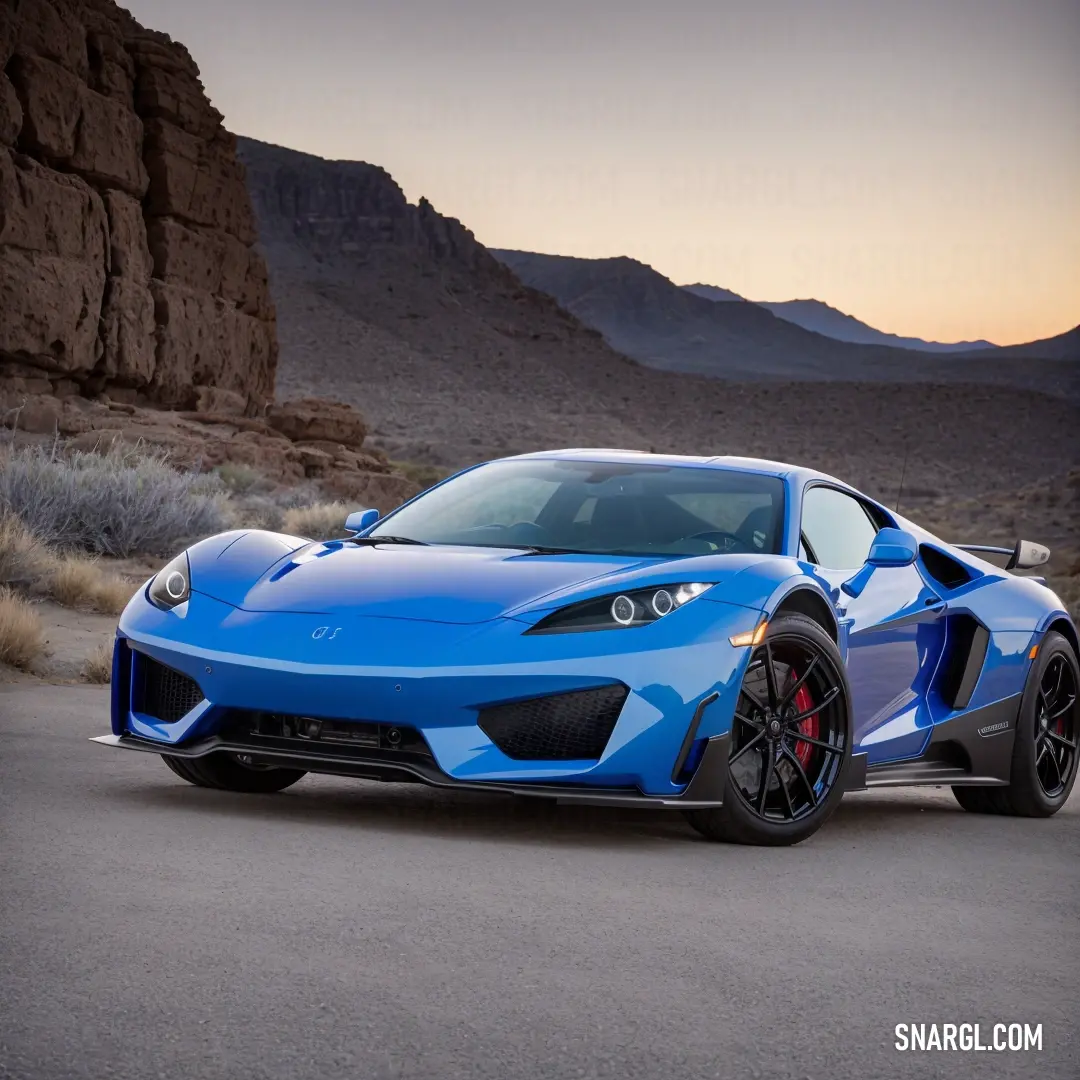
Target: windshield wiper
{"type": "Point", "coordinates": [537, 549]}
{"type": "Point", "coordinates": [388, 540]}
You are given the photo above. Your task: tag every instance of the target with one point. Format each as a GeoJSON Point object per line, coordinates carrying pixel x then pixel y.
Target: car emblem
{"type": "Point", "coordinates": [327, 633]}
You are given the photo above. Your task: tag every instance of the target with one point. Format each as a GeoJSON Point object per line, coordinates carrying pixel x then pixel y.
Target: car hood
{"type": "Point", "coordinates": [438, 583]}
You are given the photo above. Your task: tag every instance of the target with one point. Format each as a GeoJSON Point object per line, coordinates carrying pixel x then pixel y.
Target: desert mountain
{"type": "Point", "coordinates": [399, 310]}
{"type": "Point", "coordinates": [714, 292]}
{"type": "Point", "coordinates": [643, 314]}
{"type": "Point", "coordinates": [1061, 347]}
{"type": "Point", "coordinates": [822, 318]}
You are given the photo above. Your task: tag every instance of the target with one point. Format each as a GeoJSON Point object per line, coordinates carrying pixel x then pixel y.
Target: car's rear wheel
{"type": "Point", "coordinates": [790, 740]}
{"type": "Point", "coordinates": [1045, 749]}
{"type": "Point", "coordinates": [229, 772]}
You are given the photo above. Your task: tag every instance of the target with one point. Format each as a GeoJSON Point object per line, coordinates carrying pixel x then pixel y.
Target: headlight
{"type": "Point", "coordinates": [172, 586]}
{"type": "Point", "coordinates": [620, 610]}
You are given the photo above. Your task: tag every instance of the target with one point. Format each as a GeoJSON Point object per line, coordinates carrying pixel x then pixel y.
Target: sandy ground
{"type": "Point", "coordinates": [71, 636]}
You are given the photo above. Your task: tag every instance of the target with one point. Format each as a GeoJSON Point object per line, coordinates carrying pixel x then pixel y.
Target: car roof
{"type": "Point", "coordinates": [797, 474]}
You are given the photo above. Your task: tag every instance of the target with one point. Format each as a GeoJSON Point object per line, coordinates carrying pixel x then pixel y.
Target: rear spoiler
{"type": "Point", "coordinates": [1025, 555]}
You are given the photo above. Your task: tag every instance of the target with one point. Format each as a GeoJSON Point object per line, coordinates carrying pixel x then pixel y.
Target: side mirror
{"type": "Point", "coordinates": [891, 547]}
{"type": "Point", "coordinates": [361, 520]}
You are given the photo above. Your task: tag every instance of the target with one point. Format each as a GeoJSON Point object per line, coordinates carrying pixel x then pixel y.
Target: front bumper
{"type": "Point", "coordinates": [681, 674]}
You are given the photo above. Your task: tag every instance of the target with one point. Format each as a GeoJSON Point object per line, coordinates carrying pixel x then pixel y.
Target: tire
{"type": "Point", "coordinates": [795, 807]}
{"type": "Point", "coordinates": [225, 772]}
{"type": "Point", "coordinates": [1039, 786]}
{"type": "Point", "coordinates": [182, 768]}
{"type": "Point", "coordinates": [980, 800]}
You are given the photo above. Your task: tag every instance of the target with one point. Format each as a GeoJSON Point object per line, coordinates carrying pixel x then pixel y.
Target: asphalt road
{"type": "Point", "coordinates": [344, 929]}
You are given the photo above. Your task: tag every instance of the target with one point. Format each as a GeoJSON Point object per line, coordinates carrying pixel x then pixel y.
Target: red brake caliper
{"type": "Point", "coordinates": [809, 726]}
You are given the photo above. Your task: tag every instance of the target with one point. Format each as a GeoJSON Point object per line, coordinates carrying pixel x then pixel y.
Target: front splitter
{"type": "Point", "coordinates": [705, 790]}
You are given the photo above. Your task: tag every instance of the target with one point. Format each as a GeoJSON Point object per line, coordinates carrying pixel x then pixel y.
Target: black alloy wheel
{"type": "Point", "coordinates": [790, 732]}
{"type": "Point", "coordinates": [1045, 741]}
{"type": "Point", "coordinates": [1055, 726]}
{"type": "Point", "coordinates": [790, 740]}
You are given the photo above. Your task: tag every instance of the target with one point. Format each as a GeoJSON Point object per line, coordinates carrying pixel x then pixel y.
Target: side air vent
{"type": "Point", "coordinates": [944, 569]}
{"type": "Point", "coordinates": [559, 727]}
{"type": "Point", "coordinates": [967, 643]}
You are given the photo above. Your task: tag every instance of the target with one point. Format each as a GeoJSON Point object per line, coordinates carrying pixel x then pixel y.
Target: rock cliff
{"type": "Point", "coordinates": [133, 304]}
{"type": "Point", "coordinates": [126, 231]}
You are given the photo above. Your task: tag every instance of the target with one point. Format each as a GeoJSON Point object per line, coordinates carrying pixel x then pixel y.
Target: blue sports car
{"type": "Point", "coordinates": [737, 639]}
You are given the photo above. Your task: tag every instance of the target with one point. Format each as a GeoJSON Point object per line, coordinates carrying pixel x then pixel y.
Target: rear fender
{"type": "Point", "coordinates": [1062, 622]}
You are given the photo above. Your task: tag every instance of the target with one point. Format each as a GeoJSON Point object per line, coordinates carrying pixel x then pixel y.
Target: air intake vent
{"type": "Point", "coordinates": [944, 569]}
{"type": "Point", "coordinates": [967, 642]}
{"type": "Point", "coordinates": [559, 727]}
{"type": "Point", "coordinates": [165, 694]}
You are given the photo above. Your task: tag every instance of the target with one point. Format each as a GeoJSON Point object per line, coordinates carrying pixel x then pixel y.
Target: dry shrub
{"type": "Point", "coordinates": [123, 501]}
{"type": "Point", "coordinates": [320, 521]}
{"type": "Point", "coordinates": [253, 512]}
{"type": "Point", "coordinates": [22, 637]}
{"type": "Point", "coordinates": [264, 508]}
{"type": "Point", "coordinates": [240, 479]}
{"type": "Point", "coordinates": [78, 582]}
{"type": "Point", "coordinates": [24, 559]}
{"type": "Point", "coordinates": [97, 667]}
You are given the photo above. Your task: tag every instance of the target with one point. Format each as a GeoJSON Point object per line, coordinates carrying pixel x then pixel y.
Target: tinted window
{"type": "Point", "coordinates": [599, 507]}
{"type": "Point", "coordinates": [750, 515]}
{"type": "Point", "coordinates": [837, 528]}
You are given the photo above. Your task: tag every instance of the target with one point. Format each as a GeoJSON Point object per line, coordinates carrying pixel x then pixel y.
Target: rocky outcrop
{"type": "Point", "coordinates": [126, 232]}
{"type": "Point", "coordinates": [315, 420]}
{"type": "Point", "coordinates": [286, 447]}
{"type": "Point", "coordinates": [355, 210]}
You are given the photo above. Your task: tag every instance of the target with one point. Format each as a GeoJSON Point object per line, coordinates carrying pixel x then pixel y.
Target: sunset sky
{"type": "Point", "coordinates": [915, 163]}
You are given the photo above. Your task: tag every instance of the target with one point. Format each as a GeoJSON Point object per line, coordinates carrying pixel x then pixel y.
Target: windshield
{"type": "Point", "coordinates": [598, 507]}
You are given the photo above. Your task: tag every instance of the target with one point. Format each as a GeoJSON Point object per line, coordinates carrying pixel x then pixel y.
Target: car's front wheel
{"type": "Point", "coordinates": [790, 740]}
{"type": "Point", "coordinates": [229, 772]}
